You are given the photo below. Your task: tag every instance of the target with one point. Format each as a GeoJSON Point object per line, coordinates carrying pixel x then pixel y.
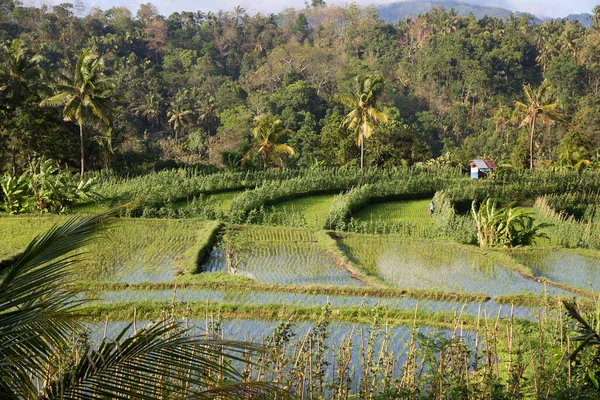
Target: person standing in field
{"type": "Point", "coordinates": [431, 208]}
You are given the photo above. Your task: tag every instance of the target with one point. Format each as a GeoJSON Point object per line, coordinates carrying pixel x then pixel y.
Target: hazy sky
{"type": "Point", "coordinates": [546, 8]}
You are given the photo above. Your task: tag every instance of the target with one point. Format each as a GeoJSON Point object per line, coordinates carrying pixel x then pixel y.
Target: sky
{"type": "Point", "coordinates": [540, 8]}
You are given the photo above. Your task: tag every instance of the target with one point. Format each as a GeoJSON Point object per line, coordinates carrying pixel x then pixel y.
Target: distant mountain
{"type": "Point", "coordinates": [394, 12]}
{"type": "Point", "coordinates": [584, 19]}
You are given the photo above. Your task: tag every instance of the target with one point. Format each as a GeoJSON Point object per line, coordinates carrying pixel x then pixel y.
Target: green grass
{"type": "Point", "coordinates": [18, 231]}
{"type": "Point", "coordinates": [89, 208]}
{"type": "Point", "coordinates": [221, 201]}
{"type": "Point", "coordinates": [313, 208]}
{"type": "Point", "coordinates": [397, 211]}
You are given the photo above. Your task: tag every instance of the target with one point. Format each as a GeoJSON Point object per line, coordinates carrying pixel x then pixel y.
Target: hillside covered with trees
{"type": "Point", "coordinates": [133, 92]}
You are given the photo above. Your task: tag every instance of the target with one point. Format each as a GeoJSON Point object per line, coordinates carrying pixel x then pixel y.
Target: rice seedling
{"type": "Point", "coordinates": [397, 211]}
{"type": "Point", "coordinates": [220, 201]}
{"type": "Point", "coordinates": [282, 256]}
{"type": "Point", "coordinates": [313, 209]}
{"type": "Point", "coordinates": [138, 250]}
{"type": "Point", "coordinates": [291, 299]}
{"type": "Point", "coordinates": [436, 265]}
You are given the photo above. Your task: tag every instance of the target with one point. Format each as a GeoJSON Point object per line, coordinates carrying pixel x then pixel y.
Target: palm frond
{"type": "Point", "coordinates": [35, 304]}
{"type": "Point", "coordinates": [587, 335]}
{"type": "Point", "coordinates": [159, 358]}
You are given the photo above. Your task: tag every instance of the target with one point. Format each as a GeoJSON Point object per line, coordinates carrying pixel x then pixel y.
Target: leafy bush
{"type": "Point", "coordinates": [45, 187]}
{"type": "Point", "coordinates": [507, 226]}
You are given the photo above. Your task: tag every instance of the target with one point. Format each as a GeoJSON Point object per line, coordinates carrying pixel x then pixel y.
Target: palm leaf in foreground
{"type": "Point", "coordinates": [587, 334]}
{"type": "Point", "coordinates": [37, 318]}
{"type": "Point", "coordinates": [36, 305]}
{"type": "Point", "coordinates": [160, 361]}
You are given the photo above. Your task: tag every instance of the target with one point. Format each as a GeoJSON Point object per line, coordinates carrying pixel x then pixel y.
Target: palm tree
{"type": "Point", "coordinates": [16, 72]}
{"type": "Point", "coordinates": [207, 112]}
{"type": "Point", "coordinates": [179, 111]}
{"type": "Point", "coordinates": [364, 117]}
{"type": "Point", "coordinates": [37, 305]}
{"type": "Point", "coordinates": [539, 105]}
{"type": "Point", "coordinates": [85, 93]}
{"type": "Point", "coordinates": [267, 133]}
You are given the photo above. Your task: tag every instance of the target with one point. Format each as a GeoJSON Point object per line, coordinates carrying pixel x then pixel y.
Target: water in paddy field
{"type": "Point", "coordinates": [137, 268]}
{"type": "Point", "coordinates": [563, 267]}
{"type": "Point", "coordinates": [452, 270]}
{"type": "Point", "coordinates": [304, 264]}
{"type": "Point", "coordinates": [394, 343]}
{"type": "Point", "coordinates": [489, 308]}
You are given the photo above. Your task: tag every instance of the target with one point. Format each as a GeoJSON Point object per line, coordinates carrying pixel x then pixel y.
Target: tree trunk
{"type": "Point", "coordinates": [362, 151]}
{"type": "Point", "coordinates": [14, 162]}
{"type": "Point", "coordinates": [531, 143]}
{"type": "Point", "coordinates": [82, 151]}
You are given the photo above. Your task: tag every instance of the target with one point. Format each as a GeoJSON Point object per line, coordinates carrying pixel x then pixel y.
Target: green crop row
{"type": "Point", "coordinates": [524, 186]}
{"type": "Point", "coordinates": [566, 230]}
{"type": "Point", "coordinates": [410, 187]}
{"type": "Point", "coordinates": [206, 239]}
{"type": "Point", "coordinates": [335, 181]}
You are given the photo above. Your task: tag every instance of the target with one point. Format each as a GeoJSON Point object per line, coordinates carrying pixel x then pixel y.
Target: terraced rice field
{"type": "Point", "coordinates": [138, 250]}
{"type": "Point", "coordinates": [313, 208]}
{"type": "Point", "coordinates": [282, 256]}
{"type": "Point", "coordinates": [396, 211]}
{"type": "Point", "coordinates": [435, 265]}
{"type": "Point", "coordinates": [563, 266]}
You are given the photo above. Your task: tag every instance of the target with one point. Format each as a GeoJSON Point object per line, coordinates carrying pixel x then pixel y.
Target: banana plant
{"type": "Point", "coordinates": [16, 193]}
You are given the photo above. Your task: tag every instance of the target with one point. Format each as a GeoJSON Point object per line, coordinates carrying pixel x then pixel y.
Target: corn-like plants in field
{"type": "Point", "coordinates": [566, 229]}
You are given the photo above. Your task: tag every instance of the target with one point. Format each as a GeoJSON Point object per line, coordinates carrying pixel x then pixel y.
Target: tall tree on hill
{"type": "Point", "coordinates": [364, 116]}
{"type": "Point", "coordinates": [539, 106]}
{"type": "Point", "coordinates": [85, 92]}
{"type": "Point", "coordinates": [179, 111]}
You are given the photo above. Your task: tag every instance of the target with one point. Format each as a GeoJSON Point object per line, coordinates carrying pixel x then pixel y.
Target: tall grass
{"type": "Point", "coordinates": [567, 230]}
{"type": "Point", "coordinates": [483, 358]}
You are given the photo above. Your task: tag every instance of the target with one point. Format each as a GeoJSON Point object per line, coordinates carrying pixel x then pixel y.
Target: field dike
{"type": "Point", "coordinates": [525, 272]}
{"type": "Point", "coordinates": [328, 242]}
{"type": "Point", "coordinates": [206, 239]}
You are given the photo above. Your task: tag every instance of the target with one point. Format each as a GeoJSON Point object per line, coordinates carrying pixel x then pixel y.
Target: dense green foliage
{"type": "Point", "coordinates": [188, 86]}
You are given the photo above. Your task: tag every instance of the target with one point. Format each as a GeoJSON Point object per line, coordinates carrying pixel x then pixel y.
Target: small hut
{"type": "Point", "coordinates": [480, 167]}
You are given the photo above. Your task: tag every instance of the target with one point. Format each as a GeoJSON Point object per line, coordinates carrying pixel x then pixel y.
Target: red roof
{"type": "Point", "coordinates": [483, 163]}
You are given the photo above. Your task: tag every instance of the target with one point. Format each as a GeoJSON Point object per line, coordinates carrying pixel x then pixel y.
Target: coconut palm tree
{"type": "Point", "coordinates": [179, 111]}
{"type": "Point", "coordinates": [364, 116]}
{"type": "Point", "coordinates": [539, 106]}
{"type": "Point", "coordinates": [85, 93]}
{"type": "Point", "coordinates": [37, 309]}
{"type": "Point", "coordinates": [17, 71]}
{"type": "Point", "coordinates": [267, 134]}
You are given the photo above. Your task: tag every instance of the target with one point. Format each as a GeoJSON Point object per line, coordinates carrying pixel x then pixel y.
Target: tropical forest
{"type": "Point", "coordinates": [322, 202]}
